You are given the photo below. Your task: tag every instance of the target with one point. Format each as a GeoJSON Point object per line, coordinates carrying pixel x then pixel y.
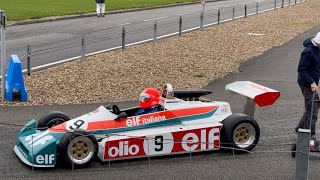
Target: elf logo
{"type": "Point", "coordinates": [205, 140]}
{"type": "Point", "coordinates": [46, 159]}
{"type": "Point", "coordinates": [186, 141]}
{"type": "Point", "coordinates": [135, 121]}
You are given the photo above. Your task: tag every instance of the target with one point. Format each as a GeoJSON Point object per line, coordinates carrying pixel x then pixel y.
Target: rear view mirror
{"type": "Point", "coordinates": [121, 116]}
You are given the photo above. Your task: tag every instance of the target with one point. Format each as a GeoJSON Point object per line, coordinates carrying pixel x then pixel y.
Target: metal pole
{"type": "Point", "coordinates": [155, 32]}
{"type": "Point", "coordinates": [29, 59]}
{"type": "Point", "coordinates": [282, 4]}
{"type": "Point", "coordinates": [203, 4]}
{"type": "Point", "coordinates": [180, 25]}
{"type": "Point", "coordinates": [275, 4]}
{"type": "Point", "coordinates": [302, 154]}
{"type": "Point", "coordinates": [257, 7]}
{"type": "Point", "coordinates": [32, 153]}
{"type": "Point", "coordinates": [3, 52]}
{"type": "Point", "coordinates": [289, 2]}
{"type": "Point", "coordinates": [148, 152]}
{"type": "Point", "coordinates": [245, 10]}
{"type": "Point", "coordinates": [83, 49]}
{"type": "Point", "coordinates": [233, 12]}
{"type": "Point", "coordinates": [123, 38]}
{"type": "Point", "coordinates": [218, 16]}
{"type": "Point", "coordinates": [295, 1]}
{"type": "Point", "coordinates": [201, 21]}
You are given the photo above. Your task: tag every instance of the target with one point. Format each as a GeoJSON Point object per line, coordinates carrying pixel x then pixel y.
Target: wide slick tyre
{"type": "Point", "coordinates": [78, 148]}
{"type": "Point", "coordinates": [241, 132]}
{"type": "Point", "coordinates": [51, 119]}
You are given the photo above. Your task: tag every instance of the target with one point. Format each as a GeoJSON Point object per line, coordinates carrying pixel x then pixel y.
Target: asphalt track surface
{"type": "Point", "coordinates": [269, 160]}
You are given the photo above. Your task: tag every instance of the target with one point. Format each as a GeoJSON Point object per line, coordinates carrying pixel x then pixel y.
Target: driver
{"type": "Point", "coordinates": [149, 101]}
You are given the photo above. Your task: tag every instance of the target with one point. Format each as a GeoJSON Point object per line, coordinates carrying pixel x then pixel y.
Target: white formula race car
{"type": "Point", "coordinates": [184, 124]}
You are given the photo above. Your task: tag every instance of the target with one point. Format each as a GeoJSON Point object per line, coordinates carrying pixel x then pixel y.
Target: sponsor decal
{"type": "Point", "coordinates": [224, 109]}
{"type": "Point", "coordinates": [34, 137]}
{"type": "Point", "coordinates": [190, 113]}
{"type": "Point", "coordinates": [41, 141]}
{"type": "Point", "coordinates": [123, 149]}
{"type": "Point", "coordinates": [38, 139]}
{"type": "Point", "coordinates": [94, 112]}
{"type": "Point", "coordinates": [259, 87]}
{"type": "Point", "coordinates": [168, 143]}
{"type": "Point", "coordinates": [46, 159]}
{"type": "Point", "coordinates": [138, 120]}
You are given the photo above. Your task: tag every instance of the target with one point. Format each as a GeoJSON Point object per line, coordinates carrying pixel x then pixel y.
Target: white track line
{"type": "Point", "coordinates": [155, 18]}
{"type": "Point", "coordinates": [123, 24]}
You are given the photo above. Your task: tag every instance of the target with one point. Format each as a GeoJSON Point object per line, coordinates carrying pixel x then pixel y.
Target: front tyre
{"type": "Point", "coordinates": [52, 119]}
{"type": "Point", "coordinates": [78, 148]}
{"type": "Point", "coordinates": [240, 131]}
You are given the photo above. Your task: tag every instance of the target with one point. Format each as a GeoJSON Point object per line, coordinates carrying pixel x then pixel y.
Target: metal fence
{"type": "Point", "coordinates": [122, 36]}
{"type": "Point", "coordinates": [302, 152]}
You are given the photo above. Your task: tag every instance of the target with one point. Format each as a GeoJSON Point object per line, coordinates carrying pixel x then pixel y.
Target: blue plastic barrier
{"type": "Point", "coordinates": [14, 81]}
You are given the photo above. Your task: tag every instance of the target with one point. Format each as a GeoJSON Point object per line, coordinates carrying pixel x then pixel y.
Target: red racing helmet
{"type": "Point", "coordinates": [149, 97]}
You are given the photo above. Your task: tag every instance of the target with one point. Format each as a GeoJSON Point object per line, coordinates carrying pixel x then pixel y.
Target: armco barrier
{"type": "Point", "coordinates": [14, 81]}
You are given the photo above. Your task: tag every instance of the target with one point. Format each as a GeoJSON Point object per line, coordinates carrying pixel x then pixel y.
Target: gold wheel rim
{"type": "Point", "coordinates": [81, 149]}
{"type": "Point", "coordinates": [244, 135]}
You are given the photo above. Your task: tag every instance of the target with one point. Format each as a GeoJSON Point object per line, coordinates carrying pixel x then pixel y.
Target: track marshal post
{"type": "Point", "coordinates": [3, 50]}
{"type": "Point", "coordinates": [14, 81]}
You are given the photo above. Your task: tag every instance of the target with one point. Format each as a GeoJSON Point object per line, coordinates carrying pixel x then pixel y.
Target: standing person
{"type": "Point", "coordinates": [308, 79]}
{"type": "Point", "coordinates": [100, 7]}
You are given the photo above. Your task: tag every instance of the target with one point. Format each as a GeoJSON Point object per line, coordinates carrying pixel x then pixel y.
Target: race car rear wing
{"type": "Point", "coordinates": [255, 93]}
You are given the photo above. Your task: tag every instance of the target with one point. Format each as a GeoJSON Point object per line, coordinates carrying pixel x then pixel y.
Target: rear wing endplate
{"type": "Point", "coordinates": [255, 93]}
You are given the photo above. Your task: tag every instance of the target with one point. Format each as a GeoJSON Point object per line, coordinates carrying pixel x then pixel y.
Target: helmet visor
{"type": "Point", "coordinates": [144, 97]}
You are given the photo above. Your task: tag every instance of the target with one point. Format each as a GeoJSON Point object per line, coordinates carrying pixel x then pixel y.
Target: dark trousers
{"type": "Point", "coordinates": [305, 120]}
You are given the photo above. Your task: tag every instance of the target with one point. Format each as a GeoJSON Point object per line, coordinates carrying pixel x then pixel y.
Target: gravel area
{"type": "Point", "coordinates": [187, 62]}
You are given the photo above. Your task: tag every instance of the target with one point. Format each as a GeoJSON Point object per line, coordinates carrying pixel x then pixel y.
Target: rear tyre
{"type": "Point", "coordinates": [78, 148]}
{"type": "Point", "coordinates": [240, 131]}
{"type": "Point", "coordinates": [51, 119]}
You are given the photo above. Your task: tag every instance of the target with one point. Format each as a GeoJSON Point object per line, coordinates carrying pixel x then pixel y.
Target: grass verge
{"type": "Point", "coordinates": [34, 9]}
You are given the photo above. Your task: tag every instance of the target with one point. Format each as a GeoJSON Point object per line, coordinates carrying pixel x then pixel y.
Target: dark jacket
{"type": "Point", "coordinates": [309, 64]}
{"type": "Point", "coordinates": [99, 1]}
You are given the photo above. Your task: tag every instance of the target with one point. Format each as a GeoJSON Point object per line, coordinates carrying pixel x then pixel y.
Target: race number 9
{"type": "Point", "coordinates": [78, 124]}
{"type": "Point", "coordinates": [158, 141]}
{"type": "Point", "coordinates": [158, 144]}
